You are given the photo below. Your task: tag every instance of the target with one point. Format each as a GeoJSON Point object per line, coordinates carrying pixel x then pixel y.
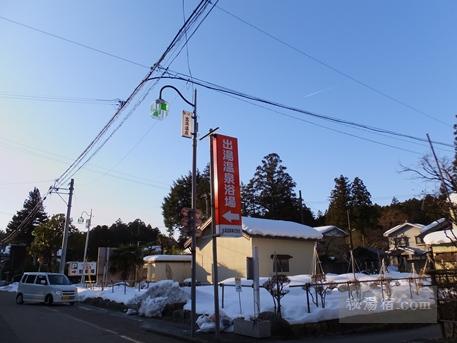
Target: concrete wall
{"type": "Point", "coordinates": [300, 250]}
{"type": "Point", "coordinates": [231, 255]}
{"type": "Point", "coordinates": [168, 270]}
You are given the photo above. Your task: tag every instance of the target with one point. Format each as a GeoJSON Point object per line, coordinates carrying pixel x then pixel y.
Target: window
{"type": "Point", "coordinates": [41, 280]}
{"type": "Point", "coordinates": [58, 279]}
{"type": "Point", "coordinates": [419, 240]}
{"type": "Point", "coordinates": [281, 263]}
{"type": "Point", "coordinates": [401, 242]}
{"type": "Point", "coordinates": [30, 278]}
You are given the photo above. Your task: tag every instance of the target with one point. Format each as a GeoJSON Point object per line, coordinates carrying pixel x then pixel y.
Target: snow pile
{"type": "Point", "coordinates": [12, 287]}
{"type": "Point", "coordinates": [207, 323]}
{"type": "Point", "coordinates": [441, 237]}
{"type": "Point", "coordinates": [160, 294]}
{"type": "Point", "coordinates": [149, 302]}
{"type": "Point", "coordinates": [278, 228]}
{"type": "Point", "coordinates": [294, 305]}
{"type": "Point", "coordinates": [115, 293]}
{"type": "Point", "coordinates": [167, 258]}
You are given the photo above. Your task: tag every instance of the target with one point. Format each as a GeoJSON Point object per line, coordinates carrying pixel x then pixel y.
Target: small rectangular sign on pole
{"type": "Point", "coordinates": [186, 124]}
{"type": "Point", "coordinates": [227, 198]}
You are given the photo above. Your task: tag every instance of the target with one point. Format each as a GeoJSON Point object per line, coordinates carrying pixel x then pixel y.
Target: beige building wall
{"type": "Point", "coordinates": [301, 251]}
{"type": "Point", "coordinates": [231, 255]}
{"type": "Point", "coordinates": [168, 270]}
{"type": "Point", "coordinates": [411, 232]}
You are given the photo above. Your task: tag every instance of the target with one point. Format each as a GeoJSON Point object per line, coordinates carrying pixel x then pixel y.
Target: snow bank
{"type": "Point", "coordinates": [278, 228]}
{"type": "Point", "coordinates": [167, 258]}
{"type": "Point", "coordinates": [148, 302]}
{"type": "Point", "coordinates": [160, 294]}
{"type": "Point", "coordinates": [294, 306]}
{"type": "Point", "coordinates": [12, 287]}
{"type": "Point", "coordinates": [115, 293]}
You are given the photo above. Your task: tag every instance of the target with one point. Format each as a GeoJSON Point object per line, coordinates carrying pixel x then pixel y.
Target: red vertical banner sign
{"type": "Point", "coordinates": [226, 176]}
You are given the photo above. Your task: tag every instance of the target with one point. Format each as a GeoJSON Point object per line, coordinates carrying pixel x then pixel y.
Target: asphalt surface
{"type": "Point", "coordinates": [36, 323]}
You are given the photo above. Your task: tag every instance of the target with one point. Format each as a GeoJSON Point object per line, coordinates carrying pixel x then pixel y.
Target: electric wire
{"type": "Point", "coordinates": [69, 172]}
{"type": "Point", "coordinates": [218, 88]}
{"type": "Point", "coordinates": [334, 69]}
{"type": "Point", "coordinates": [71, 41]}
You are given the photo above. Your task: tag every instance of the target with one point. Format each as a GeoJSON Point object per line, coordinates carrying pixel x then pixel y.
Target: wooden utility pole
{"type": "Point", "coordinates": [63, 255]}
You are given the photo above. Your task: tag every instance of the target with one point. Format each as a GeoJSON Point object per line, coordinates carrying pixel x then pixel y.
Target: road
{"type": "Point", "coordinates": [36, 323]}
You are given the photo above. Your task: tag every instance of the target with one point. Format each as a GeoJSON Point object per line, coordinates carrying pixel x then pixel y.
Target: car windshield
{"type": "Point", "coordinates": [58, 280]}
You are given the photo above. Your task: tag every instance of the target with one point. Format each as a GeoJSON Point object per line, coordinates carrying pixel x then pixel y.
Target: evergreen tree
{"type": "Point", "coordinates": [362, 214]}
{"type": "Point", "coordinates": [339, 203]}
{"type": "Point", "coordinates": [270, 193]}
{"type": "Point", "coordinates": [48, 239]}
{"type": "Point", "coordinates": [180, 197]}
{"type": "Point", "coordinates": [33, 206]}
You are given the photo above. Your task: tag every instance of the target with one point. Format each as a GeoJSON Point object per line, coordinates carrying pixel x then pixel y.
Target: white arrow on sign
{"type": "Point", "coordinates": [231, 216]}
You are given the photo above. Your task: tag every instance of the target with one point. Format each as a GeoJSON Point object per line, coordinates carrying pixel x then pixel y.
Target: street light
{"type": "Point", "coordinates": [160, 111]}
{"type": "Point", "coordinates": [88, 223]}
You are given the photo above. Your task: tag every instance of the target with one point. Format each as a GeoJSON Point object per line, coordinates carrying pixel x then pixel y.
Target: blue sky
{"type": "Point", "coordinates": [405, 49]}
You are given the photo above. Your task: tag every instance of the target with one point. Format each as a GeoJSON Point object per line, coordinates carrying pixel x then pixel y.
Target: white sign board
{"type": "Point", "coordinates": [238, 287]}
{"type": "Point", "coordinates": [187, 124]}
{"type": "Point", "coordinates": [77, 268]}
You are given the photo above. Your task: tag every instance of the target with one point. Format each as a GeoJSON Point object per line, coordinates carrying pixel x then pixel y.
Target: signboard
{"type": "Point", "coordinates": [77, 268]}
{"type": "Point", "coordinates": [238, 287]}
{"type": "Point", "coordinates": [226, 178]}
{"type": "Point", "coordinates": [187, 124]}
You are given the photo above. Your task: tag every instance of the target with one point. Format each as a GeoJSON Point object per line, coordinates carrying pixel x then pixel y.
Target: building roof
{"type": "Point", "coordinates": [278, 228]}
{"type": "Point", "coordinates": [274, 228]}
{"type": "Point", "coordinates": [167, 258]}
{"type": "Point", "coordinates": [401, 226]}
{"type": "Point", "coordinates": [328, 228]}
{"type": "Point", "coordinates": [441, 237]}
{"type": "Point", "coordinates": [437, 225]}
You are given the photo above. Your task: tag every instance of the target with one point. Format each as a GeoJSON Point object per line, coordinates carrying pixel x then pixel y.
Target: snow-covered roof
{"type": "Point", "coordinates": [441, 237]}
{"type": "Point", "coordinates": [401, 226]}
{"type": "Point", "coordinates": [432, 225]}
{"type": "Point", "coordinates": [167, 258]}
{"type": "Point", "coordinates": [278, 228]}
{"type": "Point", "coordinates": [327, 228]}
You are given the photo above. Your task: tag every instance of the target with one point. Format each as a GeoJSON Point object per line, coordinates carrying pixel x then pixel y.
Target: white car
{"type": "Point", "coordinates": [45, 287]}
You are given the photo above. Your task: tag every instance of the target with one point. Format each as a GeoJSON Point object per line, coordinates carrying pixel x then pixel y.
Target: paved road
{"type": "Point", "coordinates": [35, 323]}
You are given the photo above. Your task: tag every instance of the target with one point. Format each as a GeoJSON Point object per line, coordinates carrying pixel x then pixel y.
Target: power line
{"type": "Point", "coordinates": [80, 162]}
{"type": "Point", "coordinates": [334, 69]}
{"type": "Point", "coordinates": [222, 89]}
{"type": "Point", "coordinates": [74, 42]}
{"type": "Point", "coordinates": [14, 96]}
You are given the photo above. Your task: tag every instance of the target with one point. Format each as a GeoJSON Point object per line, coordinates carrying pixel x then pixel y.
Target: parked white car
{"type": "Point", "coordinates": [45, 287]}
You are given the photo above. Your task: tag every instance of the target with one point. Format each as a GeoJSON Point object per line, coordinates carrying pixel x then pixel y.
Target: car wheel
{"type": "Point", "coordinates": [48, 300]}
{"type": "Point", "coordinates": [19, 299]}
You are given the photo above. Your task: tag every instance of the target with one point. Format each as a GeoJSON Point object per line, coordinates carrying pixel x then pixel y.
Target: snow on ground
{"type": "Point", "coordinates": [12, 287]}
{"type": "Point", "coordinates": [294, 304]}
{"type": "Point", "coordinates": [115, 293]}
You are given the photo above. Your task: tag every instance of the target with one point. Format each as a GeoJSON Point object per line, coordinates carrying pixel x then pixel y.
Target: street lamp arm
{"type": "Point", "coordinates": [177, 91]}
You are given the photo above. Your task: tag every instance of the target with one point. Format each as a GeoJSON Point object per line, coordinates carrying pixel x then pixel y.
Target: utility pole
{"type": "Point", "coordinates": [214, 241]}
{"type": "Point", "coordinates": [350, 231]}
{"type": "Point", "coordinates": [194, 227]}
{"type": "Point", "coordinates": [63, 255]}
{"type": "Point", "coordinates": [88, 224]}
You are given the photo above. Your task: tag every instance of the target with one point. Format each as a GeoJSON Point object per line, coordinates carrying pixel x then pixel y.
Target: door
{"type": "Point", "coordinates": [28, 287]}
{"type": "Point", "coordinates": [41, 287]}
